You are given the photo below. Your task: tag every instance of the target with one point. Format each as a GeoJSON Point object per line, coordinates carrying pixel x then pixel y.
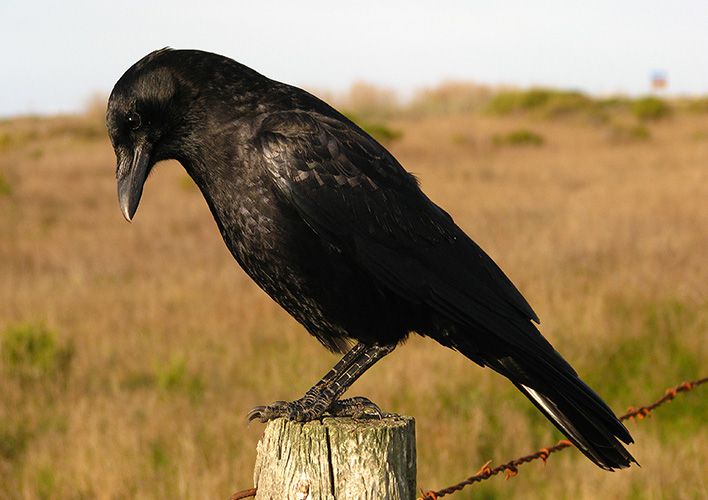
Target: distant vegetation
{"type": "Point", "coordinates": [626, 119]}
{"type": "Point", "coordinates": [546, 102]}
{"type": "Point", "coordinates": [379, 130]}
{"type": "Point", "coordinates": [373, 108]}
{"type": "Point", "coordinates": [171, 377]}
{"type": "Point", "coordinates": [31, 351]}
{"type": "Point", "coordinates": [551, 103]}
{"type": "Point", "coordinates": [369, 102]}
{"type": "Point", "coordinates": [697, 105]}
{"type": "Point", "coordinates": [5, 188]}
{"type": "Point", "coordinates": [450, 97]}
{"type": "Point", "coordinates": [629, 133]}
{"type": "Point", "coordinates": [33, 130]}
{"type": "Point", "coordinates": [520, 137]}
{"type": "Point", "coordinates": [650, 108]}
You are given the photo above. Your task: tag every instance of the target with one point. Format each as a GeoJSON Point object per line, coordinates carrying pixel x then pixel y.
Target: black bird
{"type": "Point", "coordinates": [336, 231]}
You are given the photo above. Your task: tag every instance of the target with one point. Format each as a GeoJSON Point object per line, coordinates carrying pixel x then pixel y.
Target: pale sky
{"type": "Point", "coordinates": [56, 54]}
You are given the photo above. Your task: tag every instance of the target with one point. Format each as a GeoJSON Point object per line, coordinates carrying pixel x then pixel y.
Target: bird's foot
{"type": "Point", "coordinates": [310, 407]}
{"type": "Point", "coordinates": [290, 410]}
{"type": "Point", "coordinates": [357, 408]}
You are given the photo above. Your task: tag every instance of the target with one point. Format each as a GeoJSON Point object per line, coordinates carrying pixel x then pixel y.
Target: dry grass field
{"type": "Point", "coordinates": [130, 353]}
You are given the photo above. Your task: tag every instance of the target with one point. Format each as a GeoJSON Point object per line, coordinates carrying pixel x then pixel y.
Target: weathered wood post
{"type": "Point", "coordinates": [337, 459]}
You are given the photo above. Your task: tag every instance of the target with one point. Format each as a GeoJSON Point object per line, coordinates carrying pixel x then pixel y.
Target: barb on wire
{"type": "Point", "coordinates": [250, 492]}
{"type": "Point", "coordinates": [511, 467]}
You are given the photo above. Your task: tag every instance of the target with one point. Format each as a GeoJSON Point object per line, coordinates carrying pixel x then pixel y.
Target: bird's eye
{"type": "Point", "coordinates": [133, 120]}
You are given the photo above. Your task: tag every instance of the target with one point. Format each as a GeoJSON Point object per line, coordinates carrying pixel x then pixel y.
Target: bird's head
{"type": "Point", "coordinates": [169, 105]}
{"type": "Point", "coordinates": [151, 112]}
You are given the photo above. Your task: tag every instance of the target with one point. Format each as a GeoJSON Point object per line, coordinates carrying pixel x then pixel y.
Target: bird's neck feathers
{"type": "Point", "coordinates": [214, 156]}
{"type": "Point", "coordinates": [231, 185]}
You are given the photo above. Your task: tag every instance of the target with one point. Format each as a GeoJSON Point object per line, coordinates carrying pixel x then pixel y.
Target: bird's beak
{"type": "Point", "coordinates": [131, 173]}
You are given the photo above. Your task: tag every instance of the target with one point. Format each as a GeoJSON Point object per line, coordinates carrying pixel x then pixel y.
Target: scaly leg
{"type": "Point", "coordinates": [322, 397]}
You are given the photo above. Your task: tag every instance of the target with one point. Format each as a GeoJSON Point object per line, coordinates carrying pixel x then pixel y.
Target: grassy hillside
{"type": "Point", "coordinates": [130, 353]}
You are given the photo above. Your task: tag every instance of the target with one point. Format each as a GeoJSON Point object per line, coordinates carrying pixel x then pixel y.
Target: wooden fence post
{"type": "Point", "coordinates": [337, 459]}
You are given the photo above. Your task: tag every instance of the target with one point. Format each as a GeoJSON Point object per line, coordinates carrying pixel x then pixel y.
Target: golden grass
{"type": "Point", "coordinates": [172, 343]}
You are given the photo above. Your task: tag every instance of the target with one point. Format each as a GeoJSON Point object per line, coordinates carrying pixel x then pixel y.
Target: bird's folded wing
{"type": "Point", "coordinates": [357, 197]}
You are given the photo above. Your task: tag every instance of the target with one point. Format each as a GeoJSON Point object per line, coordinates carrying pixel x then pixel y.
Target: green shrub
{"type": "Point", "coordinates": [174, 377]}
{"type": "Point", "coordinates": [379, 131]}
{"type": "Point", "coordinates": [171, 377]}
{"type": "Point", "coordinates": [462, 139]}
{"type": "Point", "coordinates": [700, 135]}
{"type": "Point", "coordinates": [659, 352]}
{"type": "Point", "coordinates": [507, 102]}
{"type": "Point", "coordinates": [45, 481]}
{"type": "Point", "coordinates": [36, 153]}
{"type": "Point", "coordinates": [520, 137]}
{"type": "Point", "coordinates": [632, 133]}
{"type": "Point", "coordinates": [5, 141]}
{"type": "Point", "coordinates": [159, 454]}
{"type": "Point", "coordinates": [544, 101]}
{"type": "Point", "coordinates": [650, 108]}
{"type": "Point", "coordinates": [138, 380]}
{"type": "Point", "coordinates": [566, 102]}
{"type": "Point", "coordinates": [639, 132]}
{"type": "Point", "coordinates": [13, 440]}
{"type": "Point", "coordinates": [31, 351]}
{"type": "Point", "coordinates": [5, 188]}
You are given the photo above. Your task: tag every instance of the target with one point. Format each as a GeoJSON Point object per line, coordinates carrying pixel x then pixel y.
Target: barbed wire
{"type": "Point", "coordinates": [239, 495]}
{"type": "Point", "coordinates": [511, 468]}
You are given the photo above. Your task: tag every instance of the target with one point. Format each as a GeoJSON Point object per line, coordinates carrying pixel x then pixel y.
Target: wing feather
{"type": "Point", "coordinates": [355, 195]}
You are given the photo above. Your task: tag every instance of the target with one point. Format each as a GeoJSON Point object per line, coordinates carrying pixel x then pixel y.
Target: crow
{"type": "Point", "coordinates": [331, 226]}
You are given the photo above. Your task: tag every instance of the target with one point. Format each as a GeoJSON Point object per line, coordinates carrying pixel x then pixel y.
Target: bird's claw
{"type": "Point", "coordinates": [266, 413]}
{"type": "Point", "coordinates": [290, 410]}
{"type": "Point", "coordinates": [358, 408]}
{"type": "Point", "coordinates": [308, 408]}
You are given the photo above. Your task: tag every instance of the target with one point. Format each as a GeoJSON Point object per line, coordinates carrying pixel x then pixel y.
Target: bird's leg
{"type": "Point", "coordinates": [322, 397]}
{"type": "Point", "coordinates": [350, 357]}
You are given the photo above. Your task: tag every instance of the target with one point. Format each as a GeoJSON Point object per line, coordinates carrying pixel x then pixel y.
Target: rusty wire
{"type": "Point", "coordinates": [250, 492]}
{"type": "Point", "coordinates": [511, 468]}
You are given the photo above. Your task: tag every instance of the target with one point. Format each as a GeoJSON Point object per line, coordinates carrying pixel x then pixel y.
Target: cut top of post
{"type": "Point", "coordinates": [337, 459]}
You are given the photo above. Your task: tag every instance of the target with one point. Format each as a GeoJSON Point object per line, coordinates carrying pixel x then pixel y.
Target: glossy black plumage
{"type": "Point", "coordinates": [331, 226]}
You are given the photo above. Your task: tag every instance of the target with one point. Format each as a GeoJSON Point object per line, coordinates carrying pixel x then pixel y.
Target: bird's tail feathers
{"type": "Point", "coordinates": [575, 409]}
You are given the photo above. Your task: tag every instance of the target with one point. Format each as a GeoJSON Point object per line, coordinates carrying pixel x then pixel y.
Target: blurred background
{"type": "Point", "coordinates": [569, 140]}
